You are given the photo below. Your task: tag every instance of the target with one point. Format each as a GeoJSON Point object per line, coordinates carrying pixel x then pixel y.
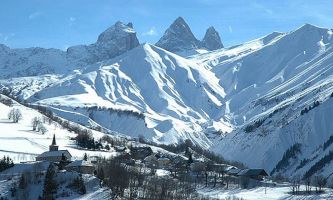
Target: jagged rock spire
{"type": "Point", "coordinates": [212, 40]}
{"type": "Point", "coordinates": [113, 42]}
{"type": "Point", "coordinates": [178, 37]}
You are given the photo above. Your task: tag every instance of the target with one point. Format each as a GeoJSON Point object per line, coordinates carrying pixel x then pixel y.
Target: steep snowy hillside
{"type": "Point", "coordinates": [22, 144]}
{"type": "Point", "coordinates": [278, 92]}
{"type": "Point", "coordinates": [272, 95]}
{"type": "Point", "coordinates": [146, 91]}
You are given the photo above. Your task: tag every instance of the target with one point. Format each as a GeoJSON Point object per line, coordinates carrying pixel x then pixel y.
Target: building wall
{"type": "Point", "coordinates": [51, 159]}
{"type": "Point", "coordinates": [82, 169]}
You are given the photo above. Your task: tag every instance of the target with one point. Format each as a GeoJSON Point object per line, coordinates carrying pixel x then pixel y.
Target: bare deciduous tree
{"type": "Point", "coordinates": [15, 115]}
{"type": "Point", "coordinates": [35, 122]}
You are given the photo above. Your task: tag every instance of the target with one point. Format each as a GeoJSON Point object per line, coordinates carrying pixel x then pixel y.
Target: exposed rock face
{"type": "Point", "coordinates": [178, 37]}
{"type": "Point", "coordinates": [112, 42]}
{"type": "Point", "coordinates": [212, 40]}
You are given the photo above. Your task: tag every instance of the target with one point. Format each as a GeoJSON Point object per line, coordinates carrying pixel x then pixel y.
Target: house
{"type": "Point", "coordinates": [233, 171]}
{"type": "Point", "coordinates": [81, 166]}
{"type": "Point", "coordinates": [151, 161]}
{"type": "Point", "coordinates": [119, 148]}
{"type": "Point", "coordinates": [257, 174]}
{"type": "Point", "coordinates": [54, 155]}
{"type": "Point", "coordinates": [94, 159]}
{"type": "Point", "coordinates": [220, 168]}
{"type": "Point", "coordinates": [140, 153]}
{"type": "Point", "coordinates": [163, 162]}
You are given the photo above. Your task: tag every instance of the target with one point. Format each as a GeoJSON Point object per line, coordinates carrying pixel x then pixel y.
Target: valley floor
{"type": "Point", "coordinates": [280, 192]}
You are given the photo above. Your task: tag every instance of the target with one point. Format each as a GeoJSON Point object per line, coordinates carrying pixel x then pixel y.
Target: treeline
{"type": "Point", "coordinates": [85, 139]}
{"type": "Point", "coordinates": [139, 182]}
{"type": "Point", "coordinates": [319, 165]}
{"type": "Point", "coordinates": [307, 109]}
{"type": "Point", "coordinates": [5, 163]}
{"type": "Point", "coordinates": [112, 110]}
{"type": "Point", "coordinates": [184, 146]}
{"type": "Point", "coordinates": [328, 143]}
{"type": "Point", "coordinates": [6, 101]}
{"type": "Point", "coordinates": [252, 127]}
{"type": "Point", "coordinates": [290, 153]}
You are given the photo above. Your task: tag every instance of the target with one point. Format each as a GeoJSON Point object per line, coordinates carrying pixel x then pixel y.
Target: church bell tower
{"type": "Point", "coordinates": [53, 146]}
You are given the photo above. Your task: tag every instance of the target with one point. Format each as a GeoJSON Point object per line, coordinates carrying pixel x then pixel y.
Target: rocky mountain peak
{"type": "Point", "coordinates": [178, 37]}
{"type": "Point", "coordinates": [212, 40]}
{"type": "Point", "coordinates": [113, 42]}
{"type": "Point", "coordinates": [118, 31]}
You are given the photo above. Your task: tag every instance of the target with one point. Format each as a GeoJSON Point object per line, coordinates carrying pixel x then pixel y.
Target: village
{"type": "Point", "coordinates": [158, 161]}
{"type": "Point", "coordinates": [198, 169]}
{"type": "Point", "coordinates": [82, 163]}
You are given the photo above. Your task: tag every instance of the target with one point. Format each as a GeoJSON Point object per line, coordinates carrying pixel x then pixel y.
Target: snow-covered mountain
{"type": "Point", "coordinates": [278, 97]}
{"type": "Point", "coordinates": [266, 102]}
{"type": "Point", "coordinates": [116, 40]}
{"type": "Point", "coordinates": [111, 43]}
{"type": "Point", "coordinates": [163, 96]}
{"type": "Point", "coordinates": [178, 38]}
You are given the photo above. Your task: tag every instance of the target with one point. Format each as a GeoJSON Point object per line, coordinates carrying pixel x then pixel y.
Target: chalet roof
{"type": "Point", "coordinates": [80, 163]}
{"type": "Point", "coordinates": [252, 172]}
{"type": "Point", "coordinates": [234, 171]}
{"type": "Point", "coordinates": [163, 158]}
{"type": "Point", "coordinates": [54, 153]}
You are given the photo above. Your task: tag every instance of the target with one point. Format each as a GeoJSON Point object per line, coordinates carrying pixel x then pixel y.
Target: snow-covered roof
{"type": "Point", "coordinates": [252, 172]}
{"type": "Point", "coordinates": [164, 158]}
{"type": "Point", "coordinates": [78, 163]}
{"type": "Point", "coordinates": [234, 171]}
{"type": "Point", "coordinates": [54, 153]}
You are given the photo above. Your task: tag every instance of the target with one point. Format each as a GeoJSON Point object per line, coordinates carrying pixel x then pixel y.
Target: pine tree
{"type": "Point", "coordinates": [85, 157]}
{"type": "Point", "coordinates": [50, 186]}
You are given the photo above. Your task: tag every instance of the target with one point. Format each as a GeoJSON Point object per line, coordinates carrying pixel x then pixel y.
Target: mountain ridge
{"type": "Point", "coordinates": [179, 38]}
{"type": "Point", "coordinates": [233, 100]}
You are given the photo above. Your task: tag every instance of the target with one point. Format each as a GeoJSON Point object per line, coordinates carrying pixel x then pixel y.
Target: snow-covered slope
{"type": "Point", "coordinates": [270, 85]}
{"type": "Point", "coordinates": [22, 144]}
{"type": "Point", "coordinates": [272, 93]}
{"type": "Point", "coordinates": [163, 96]}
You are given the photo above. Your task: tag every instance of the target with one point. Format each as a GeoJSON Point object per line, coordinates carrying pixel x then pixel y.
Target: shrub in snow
{"type": "Point", "coordinates": [15, 115]}
{"type": "Point", "coordinates": [42, 128]}
{"type": "Point", "coordinates": [35, 122]}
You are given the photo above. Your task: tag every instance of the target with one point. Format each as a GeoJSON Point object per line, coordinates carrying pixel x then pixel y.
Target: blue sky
{"type": "Point", "coordinates": [62, 23]}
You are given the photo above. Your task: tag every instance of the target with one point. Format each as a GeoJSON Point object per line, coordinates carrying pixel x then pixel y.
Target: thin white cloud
{"type": "Point", "coordinates": [72, 20]}
{"type": "Point", "coordinates": [263, 8]}
{"type": "Point", "coordinates": [6, 37]}
{"type": "Point", "coordinates": [151, 32]}
{"type": "Point", "coordinates": [34, 15]}
{"type": "Point", "coordinates": [230, 29]}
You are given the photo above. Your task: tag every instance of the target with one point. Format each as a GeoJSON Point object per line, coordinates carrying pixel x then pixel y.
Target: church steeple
{"type": "Point", "coordinates": [54, 140]}
{"type": "Point", "coordinates": [53, 146]}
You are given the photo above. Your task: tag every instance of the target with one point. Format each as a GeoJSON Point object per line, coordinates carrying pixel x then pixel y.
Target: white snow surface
{"type": "Point", "coordinates": [210, 97]}
{"type": "Point", "coordinates": [18, 141]}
